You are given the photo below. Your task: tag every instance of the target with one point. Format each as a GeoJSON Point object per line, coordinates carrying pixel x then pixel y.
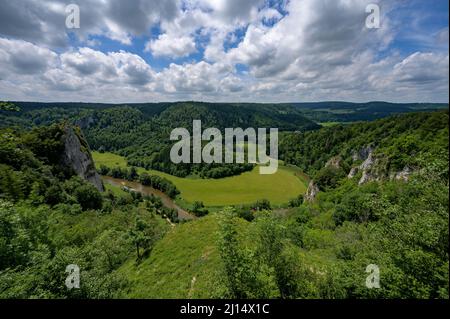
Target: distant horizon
{"type": "Point", "coordinates": [219, 102]}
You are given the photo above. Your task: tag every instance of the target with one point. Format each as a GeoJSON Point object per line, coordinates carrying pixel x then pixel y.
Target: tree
{"type": "Point", "coordinates": [241, 275]}
{"type": "Point", "coordinates": [104, 170]}
{"type": "Point", "coordinates": [54, 195]}
{"type": "Point", "coordinates": [262, 204]}
{"type": "Point", "coordinates": [292, 278]}
{"type": "Point", "coordinates": [329, 177]}
{"type": "Point", "coordinates": [145, 179]}
{"type": "Point", "coordinates": [199, 209]}
{"type": "Point", "coordinates": [88, 197]}
{"type": "Point", "coordinates": [132, 174]}
{"type": "Point", "coordinates": [141, 236]}
{"type": "Point", "coordinates": [172, 214]}
{"type": "Point", "coordinates": [296, 202]}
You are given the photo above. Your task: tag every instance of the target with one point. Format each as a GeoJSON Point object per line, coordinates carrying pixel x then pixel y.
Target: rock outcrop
{"type": "Point", "coordinates": [85, 122]}
{"type": "Point", "coordinates": [334, 162]}
{"type": "Point", "coordinates": [402, 175]}
{"type": "Point", "coordinates": [362, 154]}
{"type": "Point", "coordinates": [374, 168]}
{"type": "Point", "coordinates": [78, 156]}
{"type": "Point", "coordinates": [312, 192]}
{"type": "Point", "coordinates": [367, 166]}
{"type": "Point", "coordinates": [353, 172]}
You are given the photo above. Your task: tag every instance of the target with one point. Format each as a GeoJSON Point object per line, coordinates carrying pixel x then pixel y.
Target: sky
{"type": "Point", "coordinates": [224, 51]}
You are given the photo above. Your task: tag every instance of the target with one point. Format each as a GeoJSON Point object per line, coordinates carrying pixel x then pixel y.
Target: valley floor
{"type": "Point", "coordinates": [279, 188]}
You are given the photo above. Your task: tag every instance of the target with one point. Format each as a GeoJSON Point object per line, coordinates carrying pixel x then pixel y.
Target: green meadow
{"type": "Point", "coordinates": [279, 188]}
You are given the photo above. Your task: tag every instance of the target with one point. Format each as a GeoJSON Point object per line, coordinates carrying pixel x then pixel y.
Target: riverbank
{"type": "Point", "coordinates": [146, 190]}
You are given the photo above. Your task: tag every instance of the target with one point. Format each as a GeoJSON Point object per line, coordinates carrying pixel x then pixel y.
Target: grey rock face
{"type": "Point", "coordinates": [368, 163]}
{"type": "Point", "coordinates": [374, 168]}
{"type": "Point", "coordinates": [78, 156]}
{"type": "Point", "coordinates": [353, 172]}
{"type": "Point", "coordinates": [366, 177]}
{"type": "Point", "coordinates": [312, 192]}
{"type": "Point", "coordinates": [362, 154]}
{"type": "Point", "coordinates": [334, 162]}
{"type": "Point", "coordinates": [85, 122]}
{"type": "Point", "coordinates": [402, 175]}
{"type": "Point", "coordinates": [366, 168]}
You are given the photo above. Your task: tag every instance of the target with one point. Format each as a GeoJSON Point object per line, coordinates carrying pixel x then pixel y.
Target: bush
{"type": "Point", "coordinates": [88, 197]}
{"type": "Point", "coordinates": [329, 177]}
{"type": "Point", "coordinates": [104, 170]}
{"type": "Point", "coordinates": [199, 209]}
{"type": "Point", "coordinates": [296, 202]}
{"type": "Point", "coordinates": [246, 214]}
{"type": "Point", "coordinates": [262, 204]}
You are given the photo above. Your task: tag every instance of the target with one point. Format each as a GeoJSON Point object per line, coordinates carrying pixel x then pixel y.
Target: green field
{"type": "Point", "coordinates": [246, 188]}
{"type": "Point", "coordinates": [109, 159]}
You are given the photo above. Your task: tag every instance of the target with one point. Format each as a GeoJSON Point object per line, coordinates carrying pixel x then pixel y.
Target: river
{"type": "Point", "coordinates": [147, 190]}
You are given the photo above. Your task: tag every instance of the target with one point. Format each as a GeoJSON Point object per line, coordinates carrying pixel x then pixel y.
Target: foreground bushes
{"type": "Point", "coordinates": [322, 249]}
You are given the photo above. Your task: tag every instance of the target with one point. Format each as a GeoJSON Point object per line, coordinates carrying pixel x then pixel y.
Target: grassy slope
{"type": "Point", "coordinates": [246, 188]}
{"type": "Point", "coordinates": [188, 251]}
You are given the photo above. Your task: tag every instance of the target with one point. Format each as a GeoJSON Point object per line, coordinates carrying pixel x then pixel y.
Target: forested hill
{"type": "Point", "coordinates": [34, 164]}
{"type": "Point", "coordinates": [353, 112]}
{"type": "Point", "coordinates": [389, 148]}
{"type": "Point", "coordinates": [50, 218]}
{"type": "Point", "coordinates": [284, 117]}
{"type": "Point", "coordinates": [141, 132]}
{"type": "Point", "coordinates": [286, 112]}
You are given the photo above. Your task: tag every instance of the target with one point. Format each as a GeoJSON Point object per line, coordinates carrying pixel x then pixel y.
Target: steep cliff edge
{"type": "Point", "coordinates": [312, 192]}
{"type": "Point", "coordinates": [375, 167]}
{"type": "Point", "coordinates": [78, 156]}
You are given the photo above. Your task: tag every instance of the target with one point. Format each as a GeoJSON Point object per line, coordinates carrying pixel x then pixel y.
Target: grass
{"type": "Point", "coordinates": [188, 251]}
{"type": "Point", "coordinates": [186, 264]}
{"type": "Point", "coordinates": [279, 188]}
{"type": "Point", "coordinates": [109, 159]}
{"type": "Point", "coordinates": [117, 191]}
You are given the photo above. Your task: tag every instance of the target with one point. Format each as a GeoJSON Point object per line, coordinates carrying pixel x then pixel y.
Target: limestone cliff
{"type": "Point", "coordinates": [334, 162]}
{"type": "Point", "coordinates": [375, 168]}
{"type": "Point", "coordinates": [78, 156]}
{"type": "Point", "coordinates": [312, 192]}
{"type": "Point", "coordinates": [362, 154]}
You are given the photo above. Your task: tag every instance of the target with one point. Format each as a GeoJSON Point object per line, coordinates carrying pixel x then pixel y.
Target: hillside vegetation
{"type": "Point", "coordinates": [182, 265]}
{"type": "Point", "coordinates": [403, 140]}
{"type": "Point", "coordinates": [322, 248]}
{"type": "Point", "coordinates": [354, 112]}
{"type": "Point", "coordinates": [50, 218]}
{"type": "Point", "coordinates": [382, 200]}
